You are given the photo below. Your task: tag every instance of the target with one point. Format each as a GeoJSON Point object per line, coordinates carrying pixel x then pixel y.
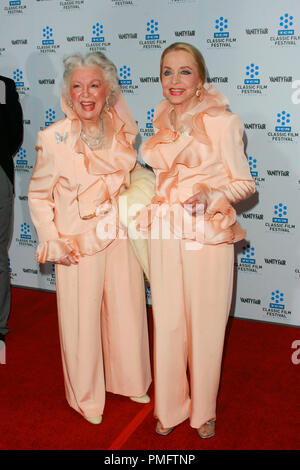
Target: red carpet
{"type": "Point", "coordinates": [258, 406]}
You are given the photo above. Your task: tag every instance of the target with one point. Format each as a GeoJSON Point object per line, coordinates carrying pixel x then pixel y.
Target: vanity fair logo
{"type": "Point", "coordinates": [71, 5]}
{"type": "Point", "coordinates": [19, 42]}
{"type": "Point", "coordinates": [252, 83]}
{"type": "Point", "coordinates": [147, 130]}
{"type": "Point", "coordinates": [30, 271]}
{"type": "Point", "coordinates": [15, 7]}
{"type": "Point", "coordinates": [21, 162]}
{"type": "Point", "coordinates": [126, 81]}
{"type": "Point", "coordinates": [19, 81]}
{"type": "Point", "coordinates": [277, 305]}
{"type": "Point", "coordinates": [97, 42]}
{"type": "Point", "coordinates": [152, 36]}
{"type": "Point", "coordinates": [253, 216]}
{"type": "Point", "coordinates": [221, 37]}
{"type": "Point", "coordinates": [275, 79]}
{"type": "Point", "coordinates": [279, 222]}
{"type": "Point", "coordinates": [186, 33]}
{"type": "Point", "coordinates": [25, 238]}
{"type": "Point", "coordinates": [283, 130]}
{"type": "Point", "coordinates": [248, 262]}
{"type": "Point", "coordinates": [48, 44]}
{"type": "Point", "coordinates": [278, 173]}
{"type": "Point", "coordinates": [222, 80]}
{"type": "Point", "coordinates": [253, 165]}
{"type": "Point", "coordinates": [46, 81]}
{"type": "Point", "coordinates": [285, 33]}
{"type": "Point", "coordinates": [125, 36]}
{"type": "Point", "coordinates": [256, 31]}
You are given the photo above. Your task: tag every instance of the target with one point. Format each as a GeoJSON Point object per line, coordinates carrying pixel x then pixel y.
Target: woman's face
{"type": "Point", "coordinates": [88, 92]}
{"type": "Point", "coordinates": [180, 78]}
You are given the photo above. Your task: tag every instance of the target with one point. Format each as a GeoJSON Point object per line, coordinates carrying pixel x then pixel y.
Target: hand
{"type": "Point", "coordinates": [196, 204]}
{"type": "Point", "coordinates": [68, 260]}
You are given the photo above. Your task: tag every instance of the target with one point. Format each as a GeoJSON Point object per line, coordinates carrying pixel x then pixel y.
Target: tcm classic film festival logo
{"type": "Point", "coordinates": [49, 118]}
{"type": "Point", "coordinates": [274, 305]}
{"type": "Point", "coordinates": [252, 84]}
{"type": "Point", "coordinates": [12, 273]}
{"type": "Point", "coordinates": [285, 31]}
{"type": "Point", "coordinates": [248, 261]}
{"type": "Point", "coordinates": [22, 165]}
{"type": "Point", "coordinates": [283, 130]}
{"type": "Point", "coordinates": [47, 43]}
{"type": "Point", "coordinates": [126, 80]}
{"type": "Point", "coordinates": [147, 130]}
{"type": "Point", "coordinates": [254, 170]}
{"type": "Point", "coordinates": [25, 238]}
{"type": "Point", "coordinates": [98, 41]}
{"type": "Point", "coordinates": [280, 222]}
{"type": "Point", "coordinates": [152, 36]}
{"type": "Point", "coordinates": [277, 305]}
{"type": "Point", "coordinates": [15, 7]}
{"type": "Point", "coordinates": [71, 5]}
{"type": "Point", "coordinates": [18, 78]}
{"type": "Point", "coordinates": [221, 37]}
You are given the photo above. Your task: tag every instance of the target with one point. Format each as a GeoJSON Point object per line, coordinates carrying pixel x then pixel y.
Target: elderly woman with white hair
{"type": "Point", "coordinates": [83, 164]}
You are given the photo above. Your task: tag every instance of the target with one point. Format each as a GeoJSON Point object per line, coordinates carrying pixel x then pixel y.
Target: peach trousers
{"type": "Point", "coordinates": [103, 328]}
{"type": "Point", "coordinates": [191, 295]}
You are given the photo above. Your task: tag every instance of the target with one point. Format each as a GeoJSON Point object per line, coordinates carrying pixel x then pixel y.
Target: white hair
{"type": "Point", "coordinates": [108, 70]}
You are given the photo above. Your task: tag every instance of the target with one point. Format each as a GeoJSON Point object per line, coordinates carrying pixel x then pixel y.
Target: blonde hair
{"type": "Point", "coordinates": [183, 46]}
{"type": "Point", "coordinates": [108, 70]}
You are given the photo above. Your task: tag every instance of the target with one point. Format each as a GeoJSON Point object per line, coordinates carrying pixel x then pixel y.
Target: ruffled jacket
{"type": "Point", "coordinates": [207, 156]}
{"type": "Point", "coordinates": [73, 189]}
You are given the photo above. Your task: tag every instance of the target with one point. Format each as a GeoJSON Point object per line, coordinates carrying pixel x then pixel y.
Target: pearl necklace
{"type": "Point", "coordinates": [94, 142]}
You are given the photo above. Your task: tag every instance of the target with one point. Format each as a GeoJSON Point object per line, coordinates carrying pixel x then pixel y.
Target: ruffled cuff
{"type": "Point", "coordinates": [238, 190]}
{"type": "Point", "coordinates": [55, 250]}
{"type": "Point", "coordinates": [220, 217]}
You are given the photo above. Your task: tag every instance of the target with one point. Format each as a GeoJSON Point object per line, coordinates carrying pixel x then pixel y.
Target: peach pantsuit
{"type": "Point", "coordinates": [101, 300]}
{"type": "Point", "coordinates": [191, 276]}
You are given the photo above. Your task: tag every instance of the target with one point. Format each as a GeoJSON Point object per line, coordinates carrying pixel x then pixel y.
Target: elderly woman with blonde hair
{"type": "Point", "coordinates": [84, 162]}
{"type": "Point", "coordinates": [197, 155]}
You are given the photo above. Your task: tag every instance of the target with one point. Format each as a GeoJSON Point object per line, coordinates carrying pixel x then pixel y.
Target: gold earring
{"type": "Point", "coordinates": [199, 92]}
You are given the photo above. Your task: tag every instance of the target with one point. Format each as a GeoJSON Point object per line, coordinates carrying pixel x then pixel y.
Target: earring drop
{"type": "Point", "coordinates": [71, 104]}
{"type": "Point", "coordinates": [198, 92]}
{"type": "Point", "coordinates": [107, 103]}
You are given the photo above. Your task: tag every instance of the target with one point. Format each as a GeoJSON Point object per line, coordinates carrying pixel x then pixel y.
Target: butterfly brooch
{"type": "Point", "coordinates": [61, 138]}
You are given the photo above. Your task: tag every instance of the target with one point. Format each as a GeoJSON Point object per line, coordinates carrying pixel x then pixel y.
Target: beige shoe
{"type": "Point", "coordinates": [96, 420]}
{"type": "Point", "coordinates": [144, 399]}
{"type": "Point", "coordinates": [207, 430]}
